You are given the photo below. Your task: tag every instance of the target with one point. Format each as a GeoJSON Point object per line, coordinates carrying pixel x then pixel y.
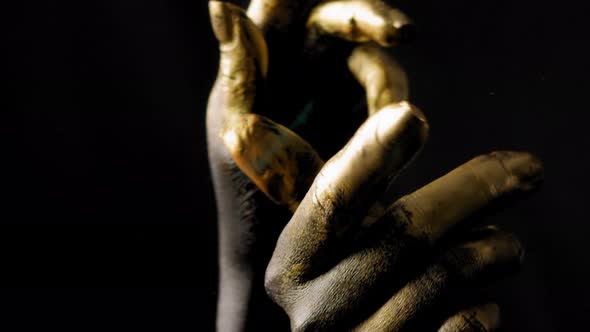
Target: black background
{"type": "Point", "coordinates": [108, 219]}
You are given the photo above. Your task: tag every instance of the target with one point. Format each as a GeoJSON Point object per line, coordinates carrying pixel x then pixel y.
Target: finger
{"type": "Point", "coordinates": [432, 210]}
{"type": "Point", "coordinates": [360, 21]}
{"type": "Point", "coordinates": [346, 185]}
{"type": "Point", "coordinates": [284, 176]}
{"type": "Point", "coordinates": [384, 81]}
{"type": "Point", "coordinates": [470, 263]}
{"type": "Point", "coordinates": [243, 58]}
{"type": "Point", "coordinates": [278, 161]}
{"type": "Point", "coordinates": [273, 14]}
{"type": "Point", "coordinates": [482, 318]}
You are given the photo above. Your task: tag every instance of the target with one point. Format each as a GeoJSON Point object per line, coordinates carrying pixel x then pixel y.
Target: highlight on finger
{"type": "Point", "coordinates": [361, 21]}
{"type": "Point", "coordinates": [383, 79]}
{"type": "Point", "coordinates": [432, 210]}
{"type": "Point", "coordinates": [344, 190]}
{"type": "Point", "coordinates": [278, 161]}
{"type": "Point", "coordinates": [243, 57]}
{"type": "Point", "coordinates": [268, 14]}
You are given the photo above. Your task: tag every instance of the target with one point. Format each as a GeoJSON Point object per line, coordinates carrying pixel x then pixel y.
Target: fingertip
{"type": "Point", "coordinates": [401, 121]}
{"type": "Point", "coordinates": [239, 39]}
{"type": "Point", "coordinates": [494, 309]}
{"type": "Point", "coordinates": [519, 249]}
{"type": "Point", "coordinates": [404, 34]}
{"type": "Point", "coordinates": [502, 249]}
{"type": "Point", "coordinates": [485, 317]}
{"type": "Point", "coordinates": [397, 29]}
{"type": "Point", "coordinates": [526, 168]}
{"type": "Point", "coordinates": [221, 15]}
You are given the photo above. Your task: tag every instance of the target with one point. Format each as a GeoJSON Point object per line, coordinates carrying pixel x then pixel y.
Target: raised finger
{"type": "Point", "coordinates": [345, 187]}
{"type": "Point", "coordinates": [431, 211]}
{"type": "Point", "coordinates": [383, 79]}
{"type": "Point", "coordinates": [360, 21]}
{"type": "Point", "coordinates": [482, 318]}
{"type": "Point", "coordinates": [282, 164]}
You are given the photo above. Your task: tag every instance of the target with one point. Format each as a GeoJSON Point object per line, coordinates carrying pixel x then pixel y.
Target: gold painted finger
{"type": "Point", "coordinates": [273, 14]}
{"type": "Point", "coordinates": [431, 211]}
{"type": "Point", "coordinates": [461, 266]}
{"type": "Point", "coordinates": [278, 161]}
{"type": "Point", "coordinates": [383, 79]}
{"type": "Point", "coordinates": [345, 187]}
{"type": "Point", "coordinates": [360, 21]}
{"type": "Point", "coordinates": [485, 317]}
{"type": "Point", "coordinates": [378, 151]}
{"type": "Point", "coordinates": [243, 58]}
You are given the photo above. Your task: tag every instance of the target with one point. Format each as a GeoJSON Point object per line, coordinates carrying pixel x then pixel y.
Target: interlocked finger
{"type": "Point", "coordinates": [460, 267]}
{"type": "Point", "coordinates": [345, 188]}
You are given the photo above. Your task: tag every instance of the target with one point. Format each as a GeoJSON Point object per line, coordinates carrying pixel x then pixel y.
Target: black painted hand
{"type": "Point", "coordinates": [350, 257]}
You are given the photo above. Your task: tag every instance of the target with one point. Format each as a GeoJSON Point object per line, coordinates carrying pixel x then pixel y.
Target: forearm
{"type": "Point", "coordinates": [245, 241]}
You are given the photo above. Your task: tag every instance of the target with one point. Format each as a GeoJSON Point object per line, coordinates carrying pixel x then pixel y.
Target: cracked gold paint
{"type": "Point", "coordinates": [277, 160]}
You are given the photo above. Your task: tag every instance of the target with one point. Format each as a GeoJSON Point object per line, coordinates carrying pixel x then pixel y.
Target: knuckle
{"type": "Point", "coordinates": [281, 284]}
{"type": "Point", "coordinates": [327, 196]}
{"type": "Point", "coordinates": [274, 282]}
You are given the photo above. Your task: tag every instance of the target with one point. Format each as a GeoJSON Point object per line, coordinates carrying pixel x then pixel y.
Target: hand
{"type": "Point", "coordinates": [348, 258]}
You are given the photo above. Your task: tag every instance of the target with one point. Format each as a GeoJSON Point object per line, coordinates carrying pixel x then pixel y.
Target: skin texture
{"type": "Point", "coordinates": [321, 239]}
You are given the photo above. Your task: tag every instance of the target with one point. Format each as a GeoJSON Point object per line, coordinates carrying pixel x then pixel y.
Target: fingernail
{"type": "Point", "coordinates": [527, 168]}
{"type": "Point", "coordinates": [401, 122]}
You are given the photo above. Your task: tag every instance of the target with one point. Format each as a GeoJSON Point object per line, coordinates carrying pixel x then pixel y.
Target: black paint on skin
{"type": "Point", "coordinates": [274, 185]}
{"type": "Point", "coordinates": [305, 165]}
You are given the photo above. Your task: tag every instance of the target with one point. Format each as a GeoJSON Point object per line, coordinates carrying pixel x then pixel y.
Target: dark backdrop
{"type": "Point", "coordinates": [108, 220]}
